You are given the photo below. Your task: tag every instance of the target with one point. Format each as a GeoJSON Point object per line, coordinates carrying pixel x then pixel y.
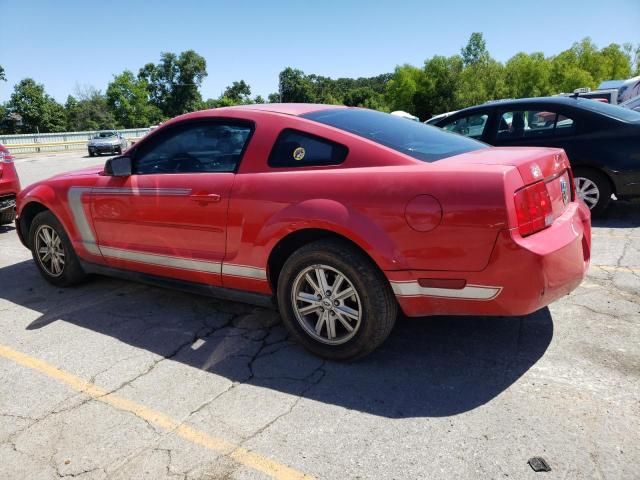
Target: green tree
{"type": "Point", "coordinates": [528, 75]}
{"type": "Point", "coordinates": [174, 83]}
{"type": "Point", "coordinates": [89, 111]}
{"type": "Point", "coordinates": [2, 75]}
{"type": "Point", "coordinates": [238, 92]}
{"type": "Point", "coordinates": [273, 97]}
{"type": "Point", "coordinates": [295, 87]}
{"type": "Point", "coordinates": [475, 51]}
{"type": "Point", "coordinates": [39, 112]}
{"type": "Point", "coordinates": [128, 99]}
{"type": "Point", "coordinates": [402, 88]}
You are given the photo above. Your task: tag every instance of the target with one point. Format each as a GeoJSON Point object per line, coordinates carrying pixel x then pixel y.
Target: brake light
{"type": "Point", "coordinates": [533, 208]}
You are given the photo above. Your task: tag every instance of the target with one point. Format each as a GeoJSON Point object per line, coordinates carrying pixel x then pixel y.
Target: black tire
{"type": "Point", "coordinates": [118, 151]}
{"type": "Point", "coordinates": [7, 218]}
{"type": "Point", "coordinates": [603, 185]}
{"type": "Point", "coordinates": [378, 305]}
{"type": "Point", "coordinates": [72, 272]}
{"type": "Point", "coordinates": [91, 154]}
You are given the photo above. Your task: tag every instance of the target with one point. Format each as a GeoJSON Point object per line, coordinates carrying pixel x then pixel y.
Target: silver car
{"type": "Point", "coordinates": [107, 142]}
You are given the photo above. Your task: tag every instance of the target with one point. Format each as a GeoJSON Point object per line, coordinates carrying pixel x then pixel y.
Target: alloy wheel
{"type": "Point", "coordinates": [587, 191]}
{"type": "Point", "coordinates": [49, 250]}
{"type": "Point", "coordinates": [326, 304]}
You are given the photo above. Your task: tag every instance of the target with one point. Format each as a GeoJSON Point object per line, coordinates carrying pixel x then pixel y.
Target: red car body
{"type": "Point", "coordinates": [448, 235]}
{"type": "Point", "coordinates": [9, 186]}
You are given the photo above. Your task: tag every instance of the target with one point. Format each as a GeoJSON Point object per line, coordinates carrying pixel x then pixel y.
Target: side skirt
{"type": "Point", "coordinates": [258, 299]}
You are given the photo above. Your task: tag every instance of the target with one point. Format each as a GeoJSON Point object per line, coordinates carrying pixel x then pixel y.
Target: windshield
{"type": "Point", "coordinates": [105, 135]}
{"type": "Point", "coordinates": [412, 138]}
{"type": "Point", "coordinates": [613, 111]}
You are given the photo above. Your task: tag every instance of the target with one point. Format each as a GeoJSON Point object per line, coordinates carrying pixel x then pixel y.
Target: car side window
{"type": "Point", "coordinates": [197, 147]}
{"type": "Point", "coordinates": [298, 149]}
{"type": "Point", "coordinates": [533, 124]}
{"type": "Point", "coordinates": [472, 126]}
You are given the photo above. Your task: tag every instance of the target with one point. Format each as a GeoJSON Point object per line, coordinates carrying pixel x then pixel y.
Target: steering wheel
{"type": "Point", "coordinates": [184, 162]}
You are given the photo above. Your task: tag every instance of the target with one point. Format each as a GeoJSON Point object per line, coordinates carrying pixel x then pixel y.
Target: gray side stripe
{"type": "Point", "coordinates": [74, 196]}
{"type": "Point", "coordinates": [162, 260]}
{"type": "Point", "coordinates": [469, 292]}
{"type": "Point", "coordinates": [177, 192]}
{"type": "Point", "coordinates": [244, 271]}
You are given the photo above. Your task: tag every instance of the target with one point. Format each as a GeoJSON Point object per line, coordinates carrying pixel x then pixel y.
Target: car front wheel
{"type": "Point", "coordinates": [593, 188]}
{"type": "Point", "coordinates": [52, 251]}
{"type": "Point", "coordinates": [335, 301]}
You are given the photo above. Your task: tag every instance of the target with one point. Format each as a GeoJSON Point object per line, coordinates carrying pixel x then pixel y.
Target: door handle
{"type": "Point", "coordinates": [205, 197]}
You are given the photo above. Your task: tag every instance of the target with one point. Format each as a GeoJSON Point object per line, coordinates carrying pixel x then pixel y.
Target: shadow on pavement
{"type": "Point", "coordinates": [428, 367]}
{"type": "Point", "coordinates": [7, 228]}
{"type": "Point", "coordinates": [620, 214]}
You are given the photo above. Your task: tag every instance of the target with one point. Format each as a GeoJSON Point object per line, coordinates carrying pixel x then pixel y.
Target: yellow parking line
{"type": "Point", "coordinates": [237, 453]}
{"type": "Point", "coordinates": [611, 268]}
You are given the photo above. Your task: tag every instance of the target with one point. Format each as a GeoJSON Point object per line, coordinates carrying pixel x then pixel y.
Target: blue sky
{"type": "Point", "coordinates": [68, 43]}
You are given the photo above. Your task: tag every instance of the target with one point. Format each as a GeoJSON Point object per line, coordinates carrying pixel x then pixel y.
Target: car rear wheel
{"type": "Point", "coordinates": [593, 188]}
{"type": "Point", "coordinates": [335, 301]}
{"type": "Point", "coordinates": [52, 251]}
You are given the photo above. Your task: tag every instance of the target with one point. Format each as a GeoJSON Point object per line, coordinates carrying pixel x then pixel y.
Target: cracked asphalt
{"type": "Point", "coordinates": [118, 380]}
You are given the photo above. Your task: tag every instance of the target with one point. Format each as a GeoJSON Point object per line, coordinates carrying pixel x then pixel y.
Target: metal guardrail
{"type": "Point", "coordinates": [54, 142]}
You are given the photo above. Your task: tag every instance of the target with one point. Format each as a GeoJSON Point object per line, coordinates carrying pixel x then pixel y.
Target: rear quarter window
{"type": "Point", "coordinates": [294, 148]}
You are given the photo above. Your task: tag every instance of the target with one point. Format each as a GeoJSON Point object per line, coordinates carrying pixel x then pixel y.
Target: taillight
{"type": "Point", "coordinates": [533, 208]}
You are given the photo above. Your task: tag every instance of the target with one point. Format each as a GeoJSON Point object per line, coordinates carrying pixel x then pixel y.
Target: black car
{"type": "Point", "coordinates": [601, 140]}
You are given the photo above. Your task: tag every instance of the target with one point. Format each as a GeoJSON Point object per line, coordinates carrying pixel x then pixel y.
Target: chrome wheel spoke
{"type": "Point", "coordinates": [322, 280]}
{"type": "Point", "coordinates": [321, 321]}
{"type": "Point", "coordinates": [331, 326]}
{"type": "Point", "coordinates": [310, 309]}
{"type": "Point", "coordinates": [344, 294]}
{"type": "Point", "coordinates": [348, 312]}
{"type": "Point", "coordinates": [312, 283]}
{"type": "Point", "coordinates": [307, 297]}
{"type": "Point", "coordinates": [345, 323]}
{"type": "Point", "coordinates": [337, 283]}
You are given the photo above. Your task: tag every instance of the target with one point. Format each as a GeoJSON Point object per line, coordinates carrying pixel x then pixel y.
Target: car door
{"type": "Point", "coordinates": [169, 217]}
{"type": "Point", "coordinates": [533, 126]}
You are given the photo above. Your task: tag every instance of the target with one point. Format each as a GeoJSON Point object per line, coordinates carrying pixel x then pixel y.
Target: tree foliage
{"type": "Point", "coordinates": [37, 111]}
{"type": "Point", "coordinates": [174, 83]}
{"type": "Point", "coordinates": [128, 99]}
{"type": "Point", "coordinates": [88, 110]}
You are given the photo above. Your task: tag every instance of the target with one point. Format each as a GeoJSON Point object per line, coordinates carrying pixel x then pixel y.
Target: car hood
{"type": "Point", "coordinates": [83, 172]}
{"type": "Point", "coordinates": [104, 141]}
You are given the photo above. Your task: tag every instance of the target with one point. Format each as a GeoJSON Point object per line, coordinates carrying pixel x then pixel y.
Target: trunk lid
{"type": "Point", "coordinates": [535, 165]}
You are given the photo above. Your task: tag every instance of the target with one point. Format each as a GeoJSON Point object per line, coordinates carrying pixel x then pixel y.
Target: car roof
{"type": "Point", "coordinates": [287, 108]}
{"type": "Point", "coordinates": [559, 100]}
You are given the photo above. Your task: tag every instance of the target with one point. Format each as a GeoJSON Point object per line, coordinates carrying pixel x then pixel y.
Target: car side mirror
{"type": "Point", "coordinates": [118, 167]}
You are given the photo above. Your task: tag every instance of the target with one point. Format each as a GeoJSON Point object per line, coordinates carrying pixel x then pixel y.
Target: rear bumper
{"type": "Point", "coordinates": [523, 274]}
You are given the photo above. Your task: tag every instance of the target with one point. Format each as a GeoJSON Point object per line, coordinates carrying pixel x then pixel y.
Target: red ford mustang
{"type": "Point", "coordinates": [9, 186]}
{"type": "Point", "coordinates": [342, 215]}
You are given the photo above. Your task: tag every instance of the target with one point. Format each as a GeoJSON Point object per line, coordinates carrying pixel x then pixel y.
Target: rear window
{"type": "Point", "coordinates": [613, 111]}
{"type": "Point", "coordinates": [416, 139]}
